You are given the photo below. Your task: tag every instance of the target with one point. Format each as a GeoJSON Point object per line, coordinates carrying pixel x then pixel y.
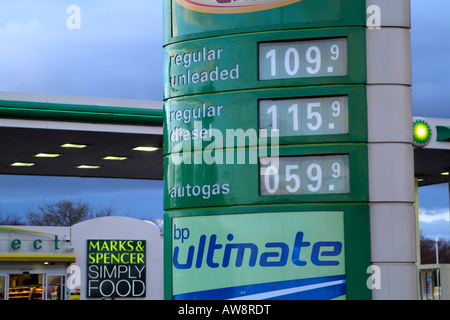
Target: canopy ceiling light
{"type": "Point", "coordinates": [74, 145]}
{"type": "Point", "coordinates": [114, 158]}
{"type": "Point", "coordinates": [22, 164]}
{"type": "Point", "coordinates": [86, 166]}
{"type": "Point", "coordinates": [146, 149]}
{"type": "Point", "coordinates": [47, 155]}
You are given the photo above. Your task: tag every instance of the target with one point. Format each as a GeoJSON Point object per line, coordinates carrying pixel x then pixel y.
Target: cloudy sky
{"type": "Point", "coordinates": [116, 51]}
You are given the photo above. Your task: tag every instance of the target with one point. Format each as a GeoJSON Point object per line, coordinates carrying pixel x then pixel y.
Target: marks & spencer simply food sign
{"type": "Point", "coordinates": [116, 268]}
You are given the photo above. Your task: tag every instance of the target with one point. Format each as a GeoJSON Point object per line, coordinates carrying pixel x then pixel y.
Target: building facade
{"type": "Point", "coordinates": [102, 258]}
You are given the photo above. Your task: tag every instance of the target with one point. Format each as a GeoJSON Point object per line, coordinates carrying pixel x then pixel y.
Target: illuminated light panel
{"type": "Point", "coordinates": [47, 155]}
{"type": "Point", "coordinates": [22, 164]}
{"type": "Point", "coordinates": [146, 149]}
{"type": "Point", "coordinates": [73, 145]}
{"type": "Point", "coordinates": [114, 158]}
{"type": "Point", "coordinates": [445, 173]}
{"type": "Point", "coordinates": [86, 166]}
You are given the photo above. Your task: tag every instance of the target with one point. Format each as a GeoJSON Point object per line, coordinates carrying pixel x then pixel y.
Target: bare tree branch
{"type": "Point", "coordinates": [63, 213]}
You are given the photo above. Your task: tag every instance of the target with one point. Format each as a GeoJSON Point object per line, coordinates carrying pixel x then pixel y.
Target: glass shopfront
{"type": "Point", "coordinates": [25, 286]}
{"type": "Point", "coordinates": [51, 263]}
{"type": "Point", "coordinates": [32, 286]}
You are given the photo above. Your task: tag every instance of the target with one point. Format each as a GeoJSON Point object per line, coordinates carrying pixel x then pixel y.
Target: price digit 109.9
{"type": "Point", "coordinates": [298, 59]}
{"type": "Point", "coordinates": [292, 60]}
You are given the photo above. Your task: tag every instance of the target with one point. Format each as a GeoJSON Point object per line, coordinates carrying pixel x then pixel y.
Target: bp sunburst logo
{"type": "Point", "coordinates": [421, 133]}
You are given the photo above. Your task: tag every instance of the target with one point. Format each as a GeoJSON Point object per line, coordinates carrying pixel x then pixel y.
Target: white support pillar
{"type": "Point", "coordinates": [391, 158]}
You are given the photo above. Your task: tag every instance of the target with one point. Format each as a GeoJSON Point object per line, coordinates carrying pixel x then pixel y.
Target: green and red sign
{"type": "Point", "coordinates": [193, 19]}
{"type": "Point", "coordinates": [233, 6]}
{"type": "Point", "coordinates": [213, 178]}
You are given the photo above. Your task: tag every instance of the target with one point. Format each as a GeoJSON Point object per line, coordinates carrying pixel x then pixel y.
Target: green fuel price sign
{"type": "Point", "coordinates": [265, 60]}
{"type": "Point", "coordinates": [265, 149]}
{"type": "Point", "coordinates": [323, 114]}
{"type": "Point", "coordinates": [248, 176]}
{"type": "Point", "coordinates": [305, 175]}
{"type": "Point", "coordinates": [299, 59]}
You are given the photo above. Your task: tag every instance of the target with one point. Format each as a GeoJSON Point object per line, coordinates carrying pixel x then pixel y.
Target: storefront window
{"type": "Point", "coordinates": [25, 286]}
{"type": "Point", "coordinates": [2, 287]}
{"type": "Point", "coordinates": [32, 287]}
{"type": "Point", "coordinates": [55, 288]}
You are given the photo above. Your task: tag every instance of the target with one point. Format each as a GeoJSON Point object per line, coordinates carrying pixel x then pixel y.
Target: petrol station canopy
{"type": "Point", "coordinates": [432, 152]}
{"type": "Point", "coordinates": [52, 135]}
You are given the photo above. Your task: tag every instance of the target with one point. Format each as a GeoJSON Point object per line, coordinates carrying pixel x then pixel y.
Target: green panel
{"type": "Point", "coordinates": [183, 23]}
{"type": "Point", "coordinates": [358, 252]}
{"type": "Point", "coordinates": [443, 133]}
{"type": "Point", "coordinates": [233, 72]}
{"type": "Point", "coordinates": [232, 63]}
{"type": "Point", "coordinates": [88, 113]}
{"type": "Point", "coordinates": [268, 232]}
{"type": "Point", "coordinates": [247, 112]}
{"type": "Point", "coordinates": [232, 177]}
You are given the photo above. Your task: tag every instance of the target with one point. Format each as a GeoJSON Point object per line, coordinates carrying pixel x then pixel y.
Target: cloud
{"type": "Point", "coordinates": [434, 218]}
{"type": "Point", "coordinates": [434, 197]}
{"type": "Point", "coordinates": [435, 223]}
{"type": "Point", "coordinates": [426, 215]}
{"type": "Point", "coordinates": [117, 53]}
{"type": "Point", "coordinates": [14, 28]}
{"type": "Point", "coordinates": [430, 63]}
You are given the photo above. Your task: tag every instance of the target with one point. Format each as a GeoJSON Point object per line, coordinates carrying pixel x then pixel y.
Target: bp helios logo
{"type": "Point", "coordinates": [421, 133]}
{"type": "Point", "coordinates": [233, 6]}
